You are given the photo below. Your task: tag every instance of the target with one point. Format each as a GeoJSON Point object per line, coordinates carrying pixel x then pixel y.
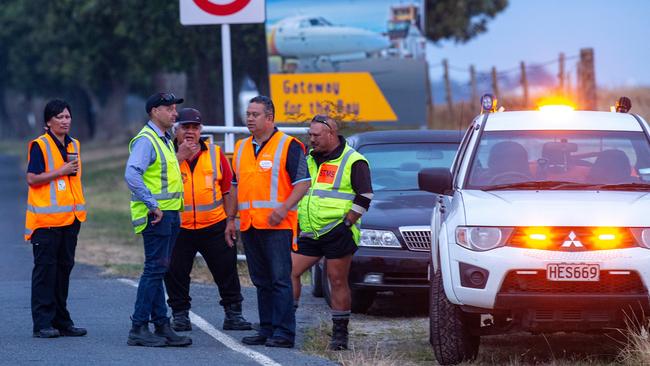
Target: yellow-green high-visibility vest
{"type": "Point", "coordinates": [163, 178]}
{"type": "Point", "coordinates": [330, 196]}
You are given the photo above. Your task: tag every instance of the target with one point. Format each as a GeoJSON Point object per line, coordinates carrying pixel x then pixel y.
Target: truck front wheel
{"type": "Point", "coordinates": [450, 328]}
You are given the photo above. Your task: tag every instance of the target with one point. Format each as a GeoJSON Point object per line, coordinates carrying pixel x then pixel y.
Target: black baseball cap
{"type": "Point", "coordinates": [158, 99]}
{"type": "Point", "coordinates": [188, 115]}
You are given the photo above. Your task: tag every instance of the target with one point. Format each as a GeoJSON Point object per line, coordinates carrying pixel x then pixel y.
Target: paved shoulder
{"type": "Point", "coordinates": [103, 306]}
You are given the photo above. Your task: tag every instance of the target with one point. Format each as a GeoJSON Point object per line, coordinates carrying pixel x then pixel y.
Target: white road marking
{"type": "Point", "coordinates": [221, 337]}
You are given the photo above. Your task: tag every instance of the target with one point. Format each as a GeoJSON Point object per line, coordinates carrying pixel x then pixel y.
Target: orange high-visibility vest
{"type": "Point", "coordinates": [263, 182]}
{"type": "Point", "coordinates": [60, 201]}
{"type": "Point", "coordinates": [203, 198]}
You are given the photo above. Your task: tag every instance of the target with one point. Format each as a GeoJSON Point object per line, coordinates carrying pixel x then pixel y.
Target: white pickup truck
{"type": "Point", "coordinates": [541, 225]}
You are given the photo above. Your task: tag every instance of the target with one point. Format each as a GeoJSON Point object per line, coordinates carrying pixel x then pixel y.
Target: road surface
{"type": "Point", "coordinates": [103, 306]}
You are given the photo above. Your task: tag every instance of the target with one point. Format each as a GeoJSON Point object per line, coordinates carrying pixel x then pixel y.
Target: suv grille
{"type": "Point", "coordinates": [608, 284]}
{"type": "Point", "coordinates": [417, 238]}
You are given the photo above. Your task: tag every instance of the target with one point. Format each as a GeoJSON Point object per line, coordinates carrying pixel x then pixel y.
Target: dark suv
{"type": "Point", "coordinates": [395, 240]}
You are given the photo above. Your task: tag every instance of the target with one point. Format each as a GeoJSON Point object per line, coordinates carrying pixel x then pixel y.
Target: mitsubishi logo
{"type": "Point", "coordinates": [572, 241]}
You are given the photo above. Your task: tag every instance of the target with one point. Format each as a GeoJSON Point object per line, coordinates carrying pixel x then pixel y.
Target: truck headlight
{"type": "Point", "coordinates": [482, 238]}
{"type": "Point", "coordinates": [642, 236]}
{"type": "Point", "coordinates": [378, 239]}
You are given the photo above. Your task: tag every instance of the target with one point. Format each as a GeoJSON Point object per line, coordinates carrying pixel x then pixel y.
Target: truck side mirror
{"type": "Point", "coordinates": [435, 180]}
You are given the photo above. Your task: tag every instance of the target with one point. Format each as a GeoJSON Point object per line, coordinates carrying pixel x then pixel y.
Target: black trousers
{"type": "Point", "coordinates": [220, 258]}
{"type": "Point", "coordinates": [54, 250]}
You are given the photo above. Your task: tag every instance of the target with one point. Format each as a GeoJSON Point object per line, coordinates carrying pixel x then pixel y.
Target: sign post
{"type": "Point", "coordinates": [224, 12]}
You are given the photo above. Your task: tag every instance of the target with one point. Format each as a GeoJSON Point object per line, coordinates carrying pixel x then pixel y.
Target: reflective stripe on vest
{"type": "Point", "coordinates": [139, 212]}
{"type": "Point", "coordinates": [164, 182]}
{"type": "Point", "coordinates": [54, 206]}
{"type": "Point", "coordinates": [275, 177]}
{"type": "Point", "coordinates": [326, 204]}
{"type": "Point", "coordinates": [215, 203]}
{"type": "Point", "coordinates": [66, 199]}
{"type": "Point", "coordinates": [325, 229]}
{"type": "Point", "coordinates": [202, 186]}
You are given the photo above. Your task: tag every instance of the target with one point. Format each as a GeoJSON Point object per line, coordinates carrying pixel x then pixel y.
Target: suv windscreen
{"type": "Point", "coordinates": [395, 167]}
{"type": "Point", "coordinates": [560, 160]}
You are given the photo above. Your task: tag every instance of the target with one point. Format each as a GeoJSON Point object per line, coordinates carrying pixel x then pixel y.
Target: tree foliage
{"type": "Point", "coordinates": [96, 52]}
{"type": "Point", "coordinates": [460, 20]}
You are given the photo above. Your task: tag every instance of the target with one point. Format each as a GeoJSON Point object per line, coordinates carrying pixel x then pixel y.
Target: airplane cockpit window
{"type": "Point", "coordinates": [319, 22]}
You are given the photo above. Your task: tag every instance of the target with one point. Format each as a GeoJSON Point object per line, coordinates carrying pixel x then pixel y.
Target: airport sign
{"type": "Point", "coordinates": [202, 12]}
{"type": "Point", "coordinates": [354, 96]}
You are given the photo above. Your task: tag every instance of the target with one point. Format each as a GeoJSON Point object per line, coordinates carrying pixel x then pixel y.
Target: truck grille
{"type": "Point", "coordinates": [417, 238]}
{"type": "Point", "coordinates": [608, 284]}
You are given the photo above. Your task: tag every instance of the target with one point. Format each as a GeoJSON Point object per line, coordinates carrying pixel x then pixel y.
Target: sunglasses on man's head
{"type": "Point", "coordinates": [167, 97]}
{"type": "Point", "coordinates": [321, 119]}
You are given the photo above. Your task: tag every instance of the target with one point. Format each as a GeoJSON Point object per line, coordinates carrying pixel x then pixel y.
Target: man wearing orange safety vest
{"type": "Point", "coordinates": [208, 209]}
{"type": "Point", "coordinates": [270, 177]}
{"type": "Point", "coordinates": [55, 211]}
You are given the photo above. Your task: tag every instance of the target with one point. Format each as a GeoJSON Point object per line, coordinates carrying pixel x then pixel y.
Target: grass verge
{"type": "Point", "coordinates": [403, 341]}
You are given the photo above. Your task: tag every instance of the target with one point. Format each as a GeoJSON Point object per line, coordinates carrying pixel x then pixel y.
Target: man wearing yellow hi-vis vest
{"type": "Point", "coordinates": [329, 217]}
{"type": "Point", "coordinates": [154, 178]}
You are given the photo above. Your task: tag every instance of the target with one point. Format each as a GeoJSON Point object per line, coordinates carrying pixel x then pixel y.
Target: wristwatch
{"type": "Point", "coordinates": [347, 222]}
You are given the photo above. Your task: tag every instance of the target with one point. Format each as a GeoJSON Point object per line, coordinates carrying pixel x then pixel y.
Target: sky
{"type": "Point", "coordinates": [535, 31]}
{"type": "Point", "coordinates": [367, 14]}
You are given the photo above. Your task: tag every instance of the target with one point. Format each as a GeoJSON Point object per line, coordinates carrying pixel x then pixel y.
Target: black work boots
{"type": "Point", "coordinates": [140, 335]}
{"type": "Point", "coordinates": [339, 340]}
{"type": "Point", "coordinates": [181, 321]}
{"type": "Point", "coordinates": [162, 336]}
{"type": "Point", "coordinates": [174, 340]}
{"type": "Point", "coordinates": [233, 319]}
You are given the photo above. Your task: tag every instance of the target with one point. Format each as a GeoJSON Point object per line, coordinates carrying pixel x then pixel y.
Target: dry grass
{"type": "Point", "coordinates": [636, 347]}
{"type": "Point", "coordinates": [462, 112]}
{"type": "Point", "coordinates": [640, 98]}
{"type": "Point", "coordinates": [387, 337]}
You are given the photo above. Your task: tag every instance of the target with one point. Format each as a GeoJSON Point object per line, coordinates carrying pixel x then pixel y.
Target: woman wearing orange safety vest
{"type": "Point", "coordinates": [55, 211]}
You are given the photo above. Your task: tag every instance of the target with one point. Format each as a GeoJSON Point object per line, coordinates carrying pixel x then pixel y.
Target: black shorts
{"type": "Point", "coordinates": [337, 243]}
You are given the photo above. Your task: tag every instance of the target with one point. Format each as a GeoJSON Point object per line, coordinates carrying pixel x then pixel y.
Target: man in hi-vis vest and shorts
{"type": "Point", "coordinates": [154, 178]}
{"type": "Point", "coordinates": [330, 217]}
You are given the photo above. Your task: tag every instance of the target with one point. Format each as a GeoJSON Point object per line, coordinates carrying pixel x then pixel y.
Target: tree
{"type": "Point", "coordinates": [98, 51]}
{"type": "Point", "coordinates": [460, 20]}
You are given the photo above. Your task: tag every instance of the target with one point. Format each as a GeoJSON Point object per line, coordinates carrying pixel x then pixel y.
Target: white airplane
{"type": "Point", "coordinates": [314, 39]}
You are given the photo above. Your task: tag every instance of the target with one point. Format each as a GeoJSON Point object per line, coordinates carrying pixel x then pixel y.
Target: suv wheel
{"type": "Point", "coordinates": [450, 328]}
{"type": "Point", "coordinates": [361, 300]}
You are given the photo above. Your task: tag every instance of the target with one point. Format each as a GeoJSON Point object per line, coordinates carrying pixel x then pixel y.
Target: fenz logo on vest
{"type": "Point", "coordinates": [327, 173]}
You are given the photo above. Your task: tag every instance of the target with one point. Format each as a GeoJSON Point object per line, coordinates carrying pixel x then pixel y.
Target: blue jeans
{"type": "Point", "coordinates": [158, 241]}
{"type": "Point", "coordinates": [268, 254]}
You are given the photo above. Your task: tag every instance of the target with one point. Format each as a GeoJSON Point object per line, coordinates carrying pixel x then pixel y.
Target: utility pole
{"type": "Point", "coordinates": [587, 81]}
{"type": "Point", "coordinates": [560, 74]}
{"type": "Point", "coordinates": [472, 83]}
{"type": "Point", "coordinates": [524, 84]}
{"type": "Point", "coordinates": [495, 84]}
{"type": "Point", "coordinates": [450, 104]}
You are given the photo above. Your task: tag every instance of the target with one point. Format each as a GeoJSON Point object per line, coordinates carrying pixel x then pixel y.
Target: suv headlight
{"type": "Point", "coordinates": [642, 236]}
{"type": "Point", "coordinates": [378, 239]}
{"type": "Point", "coordinates": [482, 238]}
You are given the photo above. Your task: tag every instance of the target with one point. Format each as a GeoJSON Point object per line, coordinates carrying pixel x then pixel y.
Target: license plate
{"type": "Point", "coordinates": [572, 272]}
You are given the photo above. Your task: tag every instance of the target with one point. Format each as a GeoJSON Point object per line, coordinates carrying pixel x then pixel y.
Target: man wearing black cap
{"type": "Point", "coordinates": [154, 178]}
{"type": "Point", "coordinates": [208, 210]}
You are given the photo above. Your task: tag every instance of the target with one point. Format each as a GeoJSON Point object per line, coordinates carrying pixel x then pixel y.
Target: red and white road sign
{"type": "Point", "coordinates": [198, 12]}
